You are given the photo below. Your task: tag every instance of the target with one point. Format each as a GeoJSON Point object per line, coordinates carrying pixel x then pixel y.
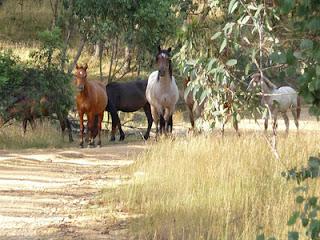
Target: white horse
{"type": "Point", "coordinates": [278, 100]}
{"type": "Point", "coordinates": [162, 92]}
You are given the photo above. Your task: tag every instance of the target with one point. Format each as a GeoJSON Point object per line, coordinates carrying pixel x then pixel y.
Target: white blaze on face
{"type": "Point", "coordinates": [163, 55]}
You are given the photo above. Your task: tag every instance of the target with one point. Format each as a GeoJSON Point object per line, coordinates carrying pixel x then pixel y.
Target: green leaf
{"type": "Point", "coordinates": [314, 24]}
{"type": "Point", "coordinates": [223, 45]}
{"type": "Point", "coordinates": [278, 57]}
{"type": "Point", "coordinates": [216, 35]}
{"type": "Point", "coordinates": [318, 70]}
{"type": "Point", "coordinates": [298, 54]}
{"type": "Point", "coordinates": [304, 221]}
{"type": "Point", "coordinates": [247, 69]}
{"type": "Point", "coordinates": [293, 218]}
{"type": "Point", "coordinates": [231, 62]}
{"type": "Point", "coordinates": [313, 201]}
{"type": "Point", "coordinates": [260, 7]}
{"type": "Point", "coordinates": [188, 90]}
{"type": "Point", "coordinates": [245, 20]}
{"type": "Point", "coordinates": [232, 6]}
{"type": "Point", "coordinates": [293, 235]}
{"type": "Point", "coordinates": [286, 5]}
{"type": "Point", "coordinates": [306, 44]}
{"type": "Point", "coordinates": [203, 96]}
{"type": "Point", "coordinates": [209, 66]}
{"type": "Point", "coordinates": [299, 199]}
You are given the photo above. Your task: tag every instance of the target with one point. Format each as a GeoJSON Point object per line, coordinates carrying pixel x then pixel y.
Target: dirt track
{"type": "Point", "coordinates": [45, 193]}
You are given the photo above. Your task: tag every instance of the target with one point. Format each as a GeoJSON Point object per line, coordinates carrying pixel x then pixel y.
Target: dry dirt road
{"type": "Point", "coordinates": [45, 194]}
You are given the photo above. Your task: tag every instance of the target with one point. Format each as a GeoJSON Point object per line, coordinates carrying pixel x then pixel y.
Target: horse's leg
{"type": "Point", "coordinates": [91, 120]}
{"type": "Point", "coordinates": [286, 121]}
{"type": "Point", "coordinates": [62, 126]}
{"type": "Point", "coordinates": [191, 116]}
{"type": "Point", "coordinates": [274, 124]}
{"type": "Point", "coordinates": [295, 117]}
{"type": "Point", "coordinates": [147, 111]}
{"type": "Point", "coordinates": [81, 128]}
{"type": "Point", "coordinates": [115, 122]}
{"type": "Point", "coordinates": [24, 125]}
{"type": "Point", "coordinates": [162, 124]}
{"type": "Point", "coordinates": [170, 124]}
{"type": "Point", "coordinates": [235, 125]}
{"type": "Point", "coordinates": [122, 136]}
{"type": "Point", "coordinates": [67, 121]}
{"type": "Point", "coordinates": [166, 117]}
{"type": "Point", "coordinates": [266, 118]}
{"type": "Point", "coordinates": [32, 123]}
{"type": "Point", "coordinates": [155, 117]}
{"type": "Point", "coordinates": [100, 118]}
{"type": "Point", "coordinates": [223, 124]}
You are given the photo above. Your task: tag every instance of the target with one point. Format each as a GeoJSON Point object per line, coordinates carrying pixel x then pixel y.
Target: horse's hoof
{"type": "Point", "coordinates": [112, 139]}
{"type": "Point", "coordinates": [121, 138]}
{"type": "Point", "coordinates": [146, 137]}
{"type": "Point", "coordinates": [81, 145]}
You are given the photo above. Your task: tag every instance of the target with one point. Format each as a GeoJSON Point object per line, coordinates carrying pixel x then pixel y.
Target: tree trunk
{"type": "Point", "coordinates": [54, 7]}
{"type": "Point", "coordinates": [113, 55]}
{"type": "Point", "coordinates": [98, 48]}
{"type": "Point", "coordinates": [76, 58]}
{"type": "Point", "coordinates": [101, 46]}
{"type": "Point", "coordinates": [128, 57]}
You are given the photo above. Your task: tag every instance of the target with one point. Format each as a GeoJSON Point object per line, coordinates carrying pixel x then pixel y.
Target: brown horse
{"type": "Point", "coordinates": [195, 110]}
{"type": "Point", "coordinates": [28, 109]}
{"type": "Point", "coordinates": [91, 100]}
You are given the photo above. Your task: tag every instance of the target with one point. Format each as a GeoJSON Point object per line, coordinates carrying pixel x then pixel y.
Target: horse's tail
{"type": "Point", "coordinates": [298, 107]}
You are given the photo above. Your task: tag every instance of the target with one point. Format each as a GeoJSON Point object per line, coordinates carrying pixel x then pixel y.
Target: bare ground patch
{"type": "Point", "coordinates": [45, 194]}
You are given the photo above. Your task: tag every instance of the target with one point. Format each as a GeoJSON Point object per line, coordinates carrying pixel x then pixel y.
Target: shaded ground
{"type": "Point", "coordinates": [45, 193]}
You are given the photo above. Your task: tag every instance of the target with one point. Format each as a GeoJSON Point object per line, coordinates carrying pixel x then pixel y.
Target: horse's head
{"type": "Point", "coordinates": [255, 81]}
{"type": "Point", "coordinates": [81, 77]}
{"type": "Point", "coordinates": [163, 61]}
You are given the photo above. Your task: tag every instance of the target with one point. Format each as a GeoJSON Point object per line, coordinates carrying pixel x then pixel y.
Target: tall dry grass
{"type": "Point", "coordinates": [213, 188]}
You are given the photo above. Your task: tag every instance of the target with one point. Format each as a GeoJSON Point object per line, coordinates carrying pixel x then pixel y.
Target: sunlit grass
{"type": "Point", "coordinates": [44, 135]}
{"type": "Point", "coordinates": [213, 188]}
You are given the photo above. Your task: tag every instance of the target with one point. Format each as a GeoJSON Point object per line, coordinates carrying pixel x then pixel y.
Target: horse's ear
{"type": "Point", "coordinates": [85, 67]}
{"type": "Point", "coordinates": [169, 49]}
{"type": "Point", "coordinates": [77, 66]}
{"type": "Point", "coordinates": [159, 48]}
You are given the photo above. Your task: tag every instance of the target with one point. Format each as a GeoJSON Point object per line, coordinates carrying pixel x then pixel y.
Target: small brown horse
{"type": "Point", "coordinates": [91, 100]}
{"type": "Point", "coordinates": [28, 109]}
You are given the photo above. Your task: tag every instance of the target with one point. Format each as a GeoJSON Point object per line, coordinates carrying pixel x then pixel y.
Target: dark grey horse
{"type": "Point", "coordinates": [127, 97]}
